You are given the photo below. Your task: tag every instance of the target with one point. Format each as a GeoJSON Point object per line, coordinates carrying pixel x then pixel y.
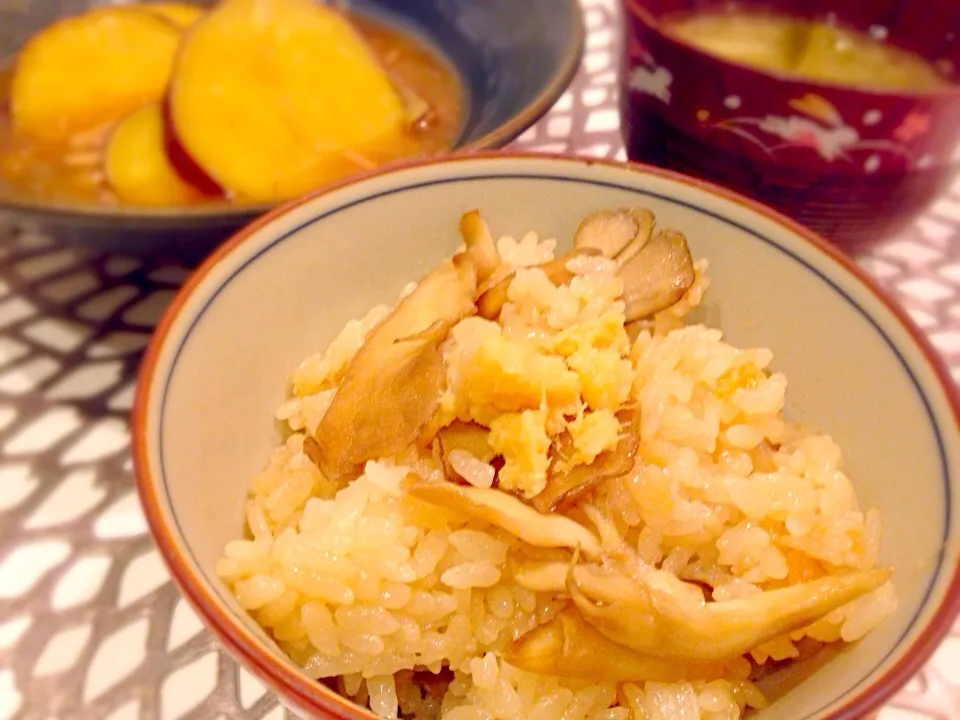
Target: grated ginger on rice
{"type": "Point", "coordinates": [415, 608]}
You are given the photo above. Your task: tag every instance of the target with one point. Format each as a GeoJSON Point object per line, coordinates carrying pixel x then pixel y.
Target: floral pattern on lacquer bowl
{"type": "Point", "coordinates": [854, 165]}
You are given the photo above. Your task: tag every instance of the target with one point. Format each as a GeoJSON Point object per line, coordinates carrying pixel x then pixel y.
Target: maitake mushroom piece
{"type": "Point", "coordinates": [657, 277]}
{"type": "Point", "coordinates": [508, 512]}
{"type": "Point", "coordinates": [651, 611]}
{"type": "Point", "coordinates": [613, 231]}
{"type": "Point", "coordinates": [568, 646]}
{"type": "Point", "coordinates": [621, 628]}
{"type": "Point", "coordinates": [391, 388]}
{"type": "Point", "coordinates": [656, 269]}
{"type": "Point", "coordinates": [401, 381]}
{"type": "Point", "coordinates": [565, 488]}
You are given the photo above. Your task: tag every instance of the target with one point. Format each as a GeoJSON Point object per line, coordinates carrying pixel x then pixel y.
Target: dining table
{"type": "Point", "coordinates": [90, 624]}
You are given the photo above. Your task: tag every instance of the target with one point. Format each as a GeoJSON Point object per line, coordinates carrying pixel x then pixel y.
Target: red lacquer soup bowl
{"type": "Point", "coordinates": [853, 164]}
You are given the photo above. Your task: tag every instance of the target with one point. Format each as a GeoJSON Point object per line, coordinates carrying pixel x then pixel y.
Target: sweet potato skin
{"type": "Point", "coordinates": [181, 160]}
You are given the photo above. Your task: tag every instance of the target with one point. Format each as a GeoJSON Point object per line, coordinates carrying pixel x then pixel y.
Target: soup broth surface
{"type": "Point", "coordinates": [815, 50]}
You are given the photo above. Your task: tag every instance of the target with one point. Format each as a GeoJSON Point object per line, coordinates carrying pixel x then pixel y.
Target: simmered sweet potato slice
{"type": "Point", "coordinates": [89, 70]}
{"type": "Point", "coordinates": [138, 167]}
{"type": "Point", "coordinates": [275, 97]}
{"type": "Point", "coordinates": [183, 15]}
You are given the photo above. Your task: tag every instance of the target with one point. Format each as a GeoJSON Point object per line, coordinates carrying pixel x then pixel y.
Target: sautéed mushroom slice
{"type": "Point", "coordinates": [407, 378]}
{"type": "Point", "coordinates": [566, 488]}
{"type": "Point", "coordinates": [660, 625]}
{"type": "Point", "coordinates": [654, 614]}
{"type": "Point", "coordinates": [544, 576]}
{"type": "Point", "coordinates": [656, 269]}
{"type": "Point", "coordinates": [400, 364]}
{"type": "Point", "coordinates": [615, 233]}
{"type": "Point", "coordinates": [508, 512]}
{"type": "Point", "coordinates": [480, 250]}
{"type": "Point", "coordinates": [658, 276]}
{"type": "Point", "coordinates": [568, 646]}
{"type": "Point", "coordinates": [652, 611]}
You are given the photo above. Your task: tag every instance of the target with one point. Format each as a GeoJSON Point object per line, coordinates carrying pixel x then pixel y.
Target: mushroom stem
{"type": "Point", "coordinates": [481, 251]}
{"type": "Point", "coordinates": [548, 577]}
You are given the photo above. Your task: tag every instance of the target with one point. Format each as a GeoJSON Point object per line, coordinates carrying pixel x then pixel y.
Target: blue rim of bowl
{"type": "Point", "coordinates": [230, 630]}
{"type": "Point", "coordinates": [506, 132]}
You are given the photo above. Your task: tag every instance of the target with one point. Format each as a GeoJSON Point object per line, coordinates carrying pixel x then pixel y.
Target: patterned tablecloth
{"type": "Point", "coordinates": [90, 626]}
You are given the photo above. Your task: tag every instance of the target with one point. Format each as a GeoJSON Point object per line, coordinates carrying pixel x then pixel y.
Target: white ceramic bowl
{"type": "Point", "coordinates": [220, 360]}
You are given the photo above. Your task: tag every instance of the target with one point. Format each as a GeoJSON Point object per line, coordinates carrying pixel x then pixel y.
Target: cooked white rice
{"type": "Point", "coordinates": [367, 585]}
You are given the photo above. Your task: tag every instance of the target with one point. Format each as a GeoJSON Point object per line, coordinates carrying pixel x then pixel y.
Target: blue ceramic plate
{"type": "Point", "coordinates": [514, 60]}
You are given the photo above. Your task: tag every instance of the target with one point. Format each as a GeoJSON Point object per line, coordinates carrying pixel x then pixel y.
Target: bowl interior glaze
{"type": "Point", "coordinates": [221, 359]}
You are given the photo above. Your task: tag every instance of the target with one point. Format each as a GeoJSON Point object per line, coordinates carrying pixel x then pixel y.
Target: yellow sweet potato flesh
{"type": "Point", "coordinates": [90, 70]}
{"type": "Point", "coordinates": [256, 102]}
{"type": "Point", "coordinates": [137, 165]}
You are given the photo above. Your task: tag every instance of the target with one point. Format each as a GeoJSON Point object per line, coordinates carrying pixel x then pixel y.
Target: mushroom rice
{"type": "Point", "coordinates": [531, 491]}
